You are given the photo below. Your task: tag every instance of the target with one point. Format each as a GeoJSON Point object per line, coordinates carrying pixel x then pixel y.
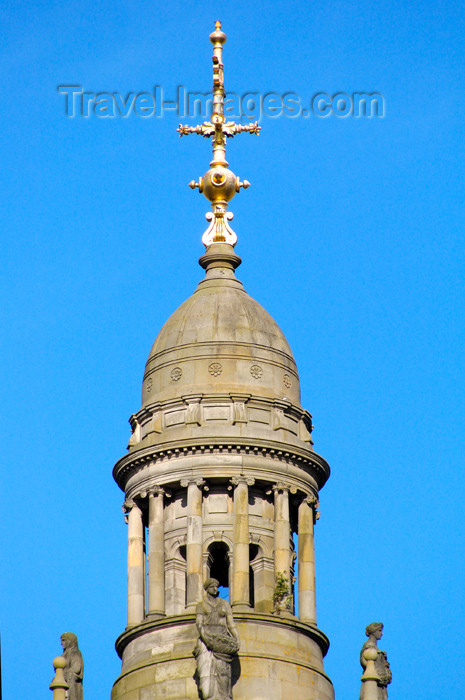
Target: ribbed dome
{"type": "Point", "coordinates": [220, 310]}
{"type": "Point", "coordinates": [220, 340]}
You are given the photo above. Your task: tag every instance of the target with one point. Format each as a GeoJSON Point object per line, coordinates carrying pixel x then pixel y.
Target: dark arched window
{"type": "Point", "coordinates": [219, 566]}
{"type": "Point", "coordinates": [253, 552]}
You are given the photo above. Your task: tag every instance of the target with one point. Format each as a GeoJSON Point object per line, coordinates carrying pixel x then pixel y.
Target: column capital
{"type": "Point", "coordinates": [156, 491]}
{"type": "Point", "coordinates": [138, 498]}
{"type": "Point", "coordinates": [129, 504]}
{"type": "Point", "coordinates": [198, 481]}
{"type": "Point", "coordinates": [281, 487]}
{"type": "Point", "coordinates": [314, 503]}
{"type": "Point", "coordinates": [311, 500]}
{"type": "Point", "coordinates": [236, 480]}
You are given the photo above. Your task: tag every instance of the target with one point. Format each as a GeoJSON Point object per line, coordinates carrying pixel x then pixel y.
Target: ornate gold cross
{"type": "Point", "coordinates": [219, 184]}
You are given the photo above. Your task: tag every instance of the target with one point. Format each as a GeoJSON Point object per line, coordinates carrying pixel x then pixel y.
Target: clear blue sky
{"type": "Point", "coordinates": [351, 237]}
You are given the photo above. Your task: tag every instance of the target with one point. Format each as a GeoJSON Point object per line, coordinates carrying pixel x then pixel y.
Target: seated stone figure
{"type": "Point", "coordinates": [74, 669]}
{"type": "Point", "coordinates": [374, 632]}
{"type": "Point", "coordinates": [218, 642]}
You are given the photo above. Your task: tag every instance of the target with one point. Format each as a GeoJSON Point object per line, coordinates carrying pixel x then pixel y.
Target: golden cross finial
{"type": "Point", "coordinates": [219, 185]}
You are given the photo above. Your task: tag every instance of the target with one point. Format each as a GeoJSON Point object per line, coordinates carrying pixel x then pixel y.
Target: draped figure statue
{"type": "Point", "coordinates": [374, 632]}
{"type": "Point", "coordinates": [74, 669]}
{"type": "Point", "coordinates": [218, 642]}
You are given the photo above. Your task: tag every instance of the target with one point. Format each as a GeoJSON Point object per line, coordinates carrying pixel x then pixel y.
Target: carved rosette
{"type": "Point", "coordinates": [215, 369]}
{"type": "Point", "coordinates": [176, 374]}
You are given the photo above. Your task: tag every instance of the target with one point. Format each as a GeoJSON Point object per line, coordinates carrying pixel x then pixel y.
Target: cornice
{"type": "Point", "coordinates": [137, 459]}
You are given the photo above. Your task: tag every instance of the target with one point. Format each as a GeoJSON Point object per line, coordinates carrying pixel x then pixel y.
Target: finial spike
{"type": "Point", "coordinates": [219, 185]}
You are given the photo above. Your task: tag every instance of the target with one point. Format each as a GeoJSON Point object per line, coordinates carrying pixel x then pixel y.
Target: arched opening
{"type": "Point", "coordinates": [293, 574]}
{"type": "Point", "coordinates": [253, 553]}
{"type": "Point", "coordinates": [182, 551]}
{"type": "Point", "coordinates": [219, 566]}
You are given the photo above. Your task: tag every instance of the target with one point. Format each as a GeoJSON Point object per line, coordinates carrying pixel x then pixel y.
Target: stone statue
{"type": "Point", "coordinates": [374, 632]}
{"type": "Point", "coordinates": [218, 642]}
{"type": "Point", "coordinates": [74, 669]}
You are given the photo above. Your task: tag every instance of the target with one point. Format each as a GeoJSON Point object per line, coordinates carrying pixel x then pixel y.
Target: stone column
{"type": "Point", "coordinates": [194, 543]}
{"type": "Point", "coordinates": [156, 554]}
{"type": "Point", "coordinates": [306, 561]}
{"type": "Point", "coordinates": [282, 530]}
{"type": "Point", "coordinates": [241, 564]}
{"type": "Point", "coordinates": [282, 540]}
{"type": "Point", "coordinates": [135, 564]}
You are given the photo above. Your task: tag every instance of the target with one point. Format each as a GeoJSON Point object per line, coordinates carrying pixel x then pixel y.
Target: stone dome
{"type": "Point", "coordinates": [220, 341]}
{"type": "Point", "coordinates": [220, 376]}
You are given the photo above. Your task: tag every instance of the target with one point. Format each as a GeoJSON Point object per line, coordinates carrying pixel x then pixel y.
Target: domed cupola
{"type": "Point", "coordinates": [220, 340]}
{"type": "Point", "coordinates": [221, 371]}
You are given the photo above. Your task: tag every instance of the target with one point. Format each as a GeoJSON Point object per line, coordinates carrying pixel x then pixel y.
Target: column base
{"type": "Point", "coordinates": [131, 625]}
{"type": "Point", "coordinates": [241, 607]}
{"type": "Point", "coordinates": [156, 614]}
{"type": "Point", "coordinates": [308, 620]}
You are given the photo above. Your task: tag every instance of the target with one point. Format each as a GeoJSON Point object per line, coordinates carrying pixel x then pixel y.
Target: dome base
{"type": "Point", "coordinates": [279, 658]}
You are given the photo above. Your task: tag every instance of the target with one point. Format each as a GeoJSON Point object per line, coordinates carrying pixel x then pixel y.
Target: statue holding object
{"type": "Point", "coordinates": [217, 644]}
{"type": "Point", "coordinates": [374, 632]}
